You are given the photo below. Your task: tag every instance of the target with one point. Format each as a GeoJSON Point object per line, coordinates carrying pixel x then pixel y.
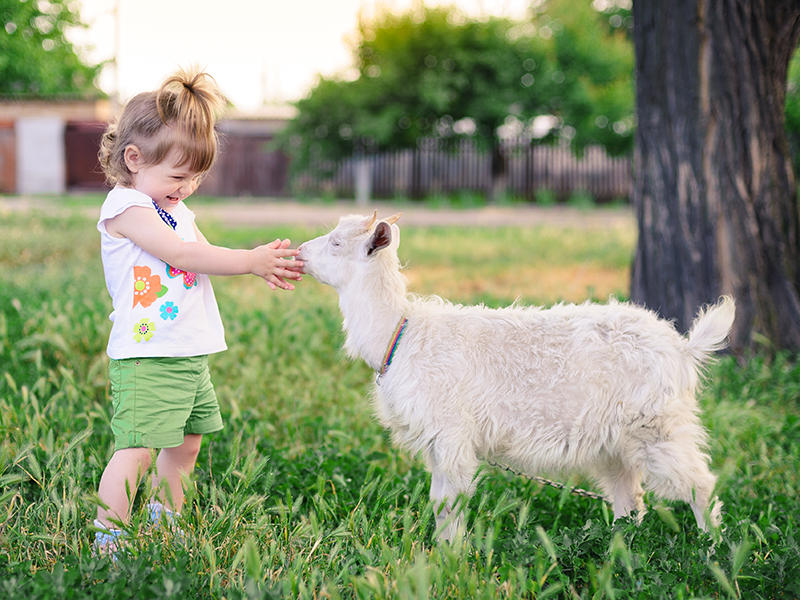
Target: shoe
{"type": "Point", "coordinates": [107, 542]}
{"type": "Point", "coordinates": [163, 518]}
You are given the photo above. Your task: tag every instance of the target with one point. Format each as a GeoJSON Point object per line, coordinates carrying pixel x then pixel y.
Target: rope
{"type": "Point", "coordinates": [555, 484]}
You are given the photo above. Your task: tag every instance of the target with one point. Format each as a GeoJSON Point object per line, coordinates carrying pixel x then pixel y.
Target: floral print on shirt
{"type": "Point", "coordinates": [169, 311]}
{"type": "Point", "coordinates": [147, 287]}
{"type": "Point", "coordinates": [189, 278]}
{"type": "Point", "coordinates": [143, 330]}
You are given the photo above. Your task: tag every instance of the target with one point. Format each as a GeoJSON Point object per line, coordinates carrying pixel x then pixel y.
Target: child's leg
{"type": "Point", "coordinates": [123, 473]}
{"type": "Point", "coordinates": [170, 464]}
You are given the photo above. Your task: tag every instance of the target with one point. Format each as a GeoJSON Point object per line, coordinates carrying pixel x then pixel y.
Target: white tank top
{"type": "Point", "coordinates": [158, 310]}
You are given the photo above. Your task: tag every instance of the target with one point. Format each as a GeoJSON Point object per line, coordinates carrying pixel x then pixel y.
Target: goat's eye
{"type": "Point", "coordinates": [335, 243]}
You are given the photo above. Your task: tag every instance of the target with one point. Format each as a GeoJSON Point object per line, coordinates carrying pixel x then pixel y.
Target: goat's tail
{"type": "Point", "coordinates": [710, 330]}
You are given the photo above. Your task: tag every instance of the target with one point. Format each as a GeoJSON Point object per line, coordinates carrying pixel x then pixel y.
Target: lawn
{"type": "Point", "coordinates": [303, 496]}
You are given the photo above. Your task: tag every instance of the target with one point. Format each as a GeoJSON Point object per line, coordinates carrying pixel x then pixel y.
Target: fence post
{"type": "Point", "coordinates": [363, 180]}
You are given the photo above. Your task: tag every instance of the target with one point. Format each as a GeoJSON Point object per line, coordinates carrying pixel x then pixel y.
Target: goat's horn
{"type": "Point", "coordinates": [369, 221]}
{"type": "Point", "coordinates": [393, 219]}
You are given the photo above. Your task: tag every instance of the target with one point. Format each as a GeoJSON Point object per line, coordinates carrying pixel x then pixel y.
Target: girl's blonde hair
{"type": "Point", "coordinates": [180, 116]}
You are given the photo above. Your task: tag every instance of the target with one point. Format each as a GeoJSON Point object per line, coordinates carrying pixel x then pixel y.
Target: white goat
{"type": "Point", "coordinates": [604, 390]}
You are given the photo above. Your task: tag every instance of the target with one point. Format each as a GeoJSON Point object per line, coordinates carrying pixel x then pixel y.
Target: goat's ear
{"type": "Point", "coordinates": [381, 237]}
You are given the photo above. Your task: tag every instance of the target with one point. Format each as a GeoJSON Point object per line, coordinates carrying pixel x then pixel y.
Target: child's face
{"type": "Point", "coordinates": [166, 183]}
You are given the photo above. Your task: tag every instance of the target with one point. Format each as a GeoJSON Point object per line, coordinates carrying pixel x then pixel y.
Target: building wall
{"type": "Point", "coordinates": [51, 147]}
{"type": "Point", "coordinates": [34, 158]}
{"type": "Point", "coordinates": [83, 110]}
{"type": "Point", "coordinates": [41, 160]}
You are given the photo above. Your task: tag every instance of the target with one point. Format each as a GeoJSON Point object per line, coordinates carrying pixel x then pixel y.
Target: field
{"type": "Point", "coordinates": [303, 496]}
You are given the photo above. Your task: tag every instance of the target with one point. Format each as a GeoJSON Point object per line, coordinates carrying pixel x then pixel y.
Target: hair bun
{"type": "Point", "coordinates": [191, 99]}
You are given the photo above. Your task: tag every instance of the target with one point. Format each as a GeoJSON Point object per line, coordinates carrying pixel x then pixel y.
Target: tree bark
{"type": "Point", "coordinates": [714, 192]}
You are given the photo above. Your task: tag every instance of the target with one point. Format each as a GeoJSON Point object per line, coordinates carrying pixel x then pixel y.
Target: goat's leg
{"type": "Point", "coordinates": [446, 485]}
{"type": "Point", "coordinates": [443, 494]}
{"type": "Point", "coordinates": [703, 501]}
{"type": "Point", "coordinates": [678, 470]}
{"type": "Point", "coordinates": [624, 487]}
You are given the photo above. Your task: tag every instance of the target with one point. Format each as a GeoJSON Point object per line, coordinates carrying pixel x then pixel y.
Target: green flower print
{"type": "Point", "coordinates": [143, 330]}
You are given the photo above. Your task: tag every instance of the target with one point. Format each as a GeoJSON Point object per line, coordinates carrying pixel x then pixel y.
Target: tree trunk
{"type": "Point", "coordinates": [714, 191]}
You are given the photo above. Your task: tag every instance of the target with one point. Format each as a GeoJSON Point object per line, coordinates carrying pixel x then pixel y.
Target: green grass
{"type": "Point", "coordinates": [303, 496]}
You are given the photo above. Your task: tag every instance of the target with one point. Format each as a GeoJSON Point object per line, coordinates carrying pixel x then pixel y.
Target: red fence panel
{"type": "Point", "coordinates": [82, 141]}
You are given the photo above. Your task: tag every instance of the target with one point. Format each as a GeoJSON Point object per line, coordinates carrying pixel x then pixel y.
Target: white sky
{"type": "Point", "coordinates": [257, 50]}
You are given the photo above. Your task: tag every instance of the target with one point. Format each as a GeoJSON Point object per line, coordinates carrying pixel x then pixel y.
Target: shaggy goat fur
{"type": "Point", "coordinates": [604, 390]}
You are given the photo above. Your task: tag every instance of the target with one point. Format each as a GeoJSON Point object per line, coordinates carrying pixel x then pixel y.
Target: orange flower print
{"type": "Point", "coordinates": [146, 287]}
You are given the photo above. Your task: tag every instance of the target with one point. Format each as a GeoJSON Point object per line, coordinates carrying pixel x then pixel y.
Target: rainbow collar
{"type": "Point", "coordinates": [387, 358]}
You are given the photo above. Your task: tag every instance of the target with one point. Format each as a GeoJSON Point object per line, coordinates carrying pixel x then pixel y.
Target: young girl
{"type": "Point", "coordinates": [165, 319]}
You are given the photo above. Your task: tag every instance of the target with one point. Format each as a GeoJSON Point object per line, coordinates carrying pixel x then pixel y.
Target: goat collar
{"type": "Point", "coordinates": [398, 333]}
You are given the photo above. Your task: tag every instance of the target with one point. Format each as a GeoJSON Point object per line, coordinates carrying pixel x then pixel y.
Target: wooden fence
{"type": "Point", "coordinates": [429, 170]}
{"type": "Point", "coordinates": [249, 165]}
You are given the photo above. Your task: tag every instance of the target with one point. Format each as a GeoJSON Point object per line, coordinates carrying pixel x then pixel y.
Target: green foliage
{"type": "Point", "coordinates": [36, 58]}
{"type": "Point", "coordinates": [546, 197]}
{"type": "Point", "coordinates": [792, 112]}
{"type": "Point", "coordinates": [302, 494]}
{"type": "Point", "coordinates": [433, 73]}
{"type": "Point", "coordinates": [436, 67]}
{"type": "Point", "coordinates": [581, 199]}
{"type": "Point", "coordinates": [594, 54]}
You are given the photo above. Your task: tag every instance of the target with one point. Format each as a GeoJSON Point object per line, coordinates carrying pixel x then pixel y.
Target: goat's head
{"type": "Point", "coordinates": [352, 247]}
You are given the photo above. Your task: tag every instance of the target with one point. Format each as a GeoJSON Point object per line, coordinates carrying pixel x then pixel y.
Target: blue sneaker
{"type": "Point", "coordinates": [107, 542]}
{"type": "Point", "coordinates": [163, 518]}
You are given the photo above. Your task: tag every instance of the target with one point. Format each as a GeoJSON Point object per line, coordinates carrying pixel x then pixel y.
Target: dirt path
{"type": "Point", "coordinates": [324, 215]}
{"type": "Point", "coordinates": [327, 215]}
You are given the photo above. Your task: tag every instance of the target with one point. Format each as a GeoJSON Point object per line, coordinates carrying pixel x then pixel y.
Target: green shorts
{"type": "Point", "coordinates": [157, 401]}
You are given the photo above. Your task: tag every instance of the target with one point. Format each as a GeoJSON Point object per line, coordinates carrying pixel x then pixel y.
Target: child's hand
{"type": "Point", "coordinates": [271, 263]}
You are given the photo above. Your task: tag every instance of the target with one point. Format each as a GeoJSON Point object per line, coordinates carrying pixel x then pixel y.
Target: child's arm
{"type": "Point", "coordinates": [145, 228]}
{"type": "Point", "coordinates": [295, 267]}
